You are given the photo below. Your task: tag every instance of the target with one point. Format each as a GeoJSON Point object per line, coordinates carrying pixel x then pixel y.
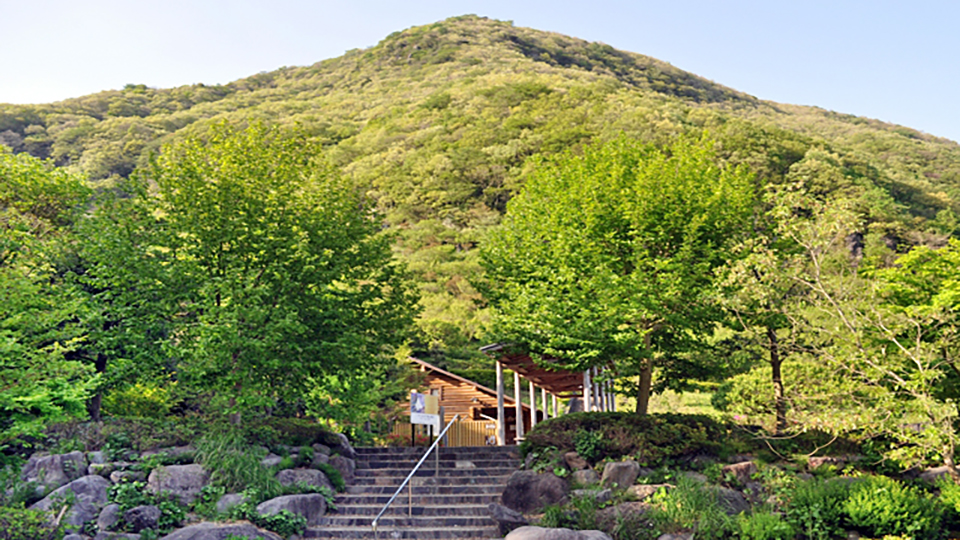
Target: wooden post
{"type": "Point", "coordinates": [543, 399]}
{"type": "Point", "coordinates": [596, 390]}
{"type": "Point", "coordinates": [556, 406]}
{"type": "Point", "coordinates": [533, 406]}
{"type": "Point", "coordinates": [519, 404]}
{"type": "Point", "coordinates": [501, 426]}
{"type": "Point", "coordinates": [587, 389]}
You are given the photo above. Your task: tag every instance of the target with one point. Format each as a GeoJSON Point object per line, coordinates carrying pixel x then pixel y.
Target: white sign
{"type": "Point", "coordinates": [425, 409]}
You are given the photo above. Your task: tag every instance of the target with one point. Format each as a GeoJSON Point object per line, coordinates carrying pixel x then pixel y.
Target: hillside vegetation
{"type": "Point", "coordinates": [437, 122]}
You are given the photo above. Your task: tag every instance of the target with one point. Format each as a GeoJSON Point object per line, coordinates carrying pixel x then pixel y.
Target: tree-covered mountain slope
{"type": "Point", "coordinates": [438, 122]}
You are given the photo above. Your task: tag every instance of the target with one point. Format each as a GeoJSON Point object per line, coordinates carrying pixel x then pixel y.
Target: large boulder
{"type": "Point", "coordinates": [631, 514]}
{"type": "Point", "coordinates": [221, 531]}
{"type": "Point", "coordinates": [528, 491]}
{"type": "Point", "coordinates": [90, 496]}
{"type": "Point", "coordinates": [541, 533]}
{"type": "Point", "coordinates": [310, 477]}
{"type": "Point", "coordinates": [183, 481]}
{"type": "Point", "coordinates": [107, 535]}
{"type": "Point", "coordinates": [622, 474]}
{"type": "Point", "coordinates": [55, 470]}
{"type": "Point", "coordinates": [139, 518]}
{"type": "Point", "coordinates": [228, 501]}
{"type": "Point", "coordinates": [346, 466]}
{"type": "Point", "coordinates": [585, 477]}
{"type": "Point", "coordinates": [733, 501]}
{"type": "Point", "coordinates": [309, 505]}
{"type": "Point", "coordinates": [343, 447]}
{"type": "Point", "coordinates": [601, 496]}
{"type": "Point", "coordinates": [742, 472]}
{"type": "Point", "coordinates": [507, 519]}
{"type": "Point", "coordinates": [931, 476]}
{"type": "Point", "coordinates": [645, 491]}
{"type": "Point", "coordinates": [575, 462]}
{"type": "Point", "coordinates": [108, 517]}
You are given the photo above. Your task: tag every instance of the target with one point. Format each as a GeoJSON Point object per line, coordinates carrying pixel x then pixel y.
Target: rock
{"type": "Point", "coordinates": [271, 460]}
{"type": "Point", "coordinates": [540, 533]}
{"type": "Point", "coordinates": [108, 517]}
{"type": "Point", "coordinates": [220, 531]}
{"type": "Point", "coordinates": [309, 505]}
{"type": "Point", "coordinates": [528, 491]}
{"type": "Point", "coordinates": [91, 496]}
{"type": "Point", "coordinates": [932, 475]}
{"type": "Point", "coordinates": [820, 461]}
{"type": "Point", "coordinates": [228, 501]}
{"type": "Point", "coordinates": [139, 518]}
{"type": "Point", "coordinates": [54, 471]}
{"type": "Point", "coordinates": [119, 477]}
{"type": "Point", "coordinates": [585, 477]}
{"type": "Point", "coordinates": [72, 536]}
{"type": "Point", "coordinates": [183, 481]}
{"type": "Point", "coordinates": [628, 513]}
{"type": "Point", "coordinates": [695, 476]}
{"type": "Point", "coordinates": [345, 465]}
{"type": "Point", "coordinates": [321, 448]}
{"type": "Point", "coordinates": [115, 536]}
{"type": "Point", "coordinates": [344, 448]}
{"type": "Point", "coordinates": [644, 491]}
{"type": "Point", "coordinates": [311, 477]}
{"type": "Point", "coordinates": [507, 519]}
{"type": "Point", "coordinates": [96, 457]}
{"type": "Point", "coordinates": [737, 458]}
{"type": "Point", "coordinates": [599, 495]}
{"type": "Point", "coordinates": [170, 451]}
{"type": "Point", "coordinates": [575, 462]}
{"type": "Point", "coordinates": [101, 469]}
{"type": "Point", "coordinates": [732, 501]}
{"type": "Point", "coordinates": [676, 536]}
{"type": "Point", "coordinates": [621, 474]}
{"type": "Point", "coordinates": [320, 459]}
{"type": "Point", "coordinates": [743, 471]}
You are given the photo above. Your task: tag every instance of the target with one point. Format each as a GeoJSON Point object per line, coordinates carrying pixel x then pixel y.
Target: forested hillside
{"type": "Point", "coordinates": [437, 122]}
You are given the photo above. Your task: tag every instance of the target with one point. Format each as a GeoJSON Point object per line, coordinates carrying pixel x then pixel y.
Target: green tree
{"type": "Point", "coordinates": [286, 275]}
{"type": "Point", "coordinates": [610, 256]}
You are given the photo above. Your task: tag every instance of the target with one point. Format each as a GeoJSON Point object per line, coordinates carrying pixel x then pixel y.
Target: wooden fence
{"type": "Point", "coordinates": [463, 433]}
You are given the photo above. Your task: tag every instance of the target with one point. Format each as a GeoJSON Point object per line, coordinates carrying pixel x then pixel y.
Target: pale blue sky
{"type": "Point", "coordinates": [895, 61]}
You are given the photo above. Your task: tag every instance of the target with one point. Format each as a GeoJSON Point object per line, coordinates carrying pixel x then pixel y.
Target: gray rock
{"type": "Point", "coordinates": [54, 471]}
{"type": "Point", "coordinates": [171, 451]}
{"type": "Point", "coordinates": [343, 447]}
{"type": "Point", "coordinates": [220, 531]}
{"type": "Point", "coordinates": [575, 462]}
{"type": "Point", "coordinates": [621, 474]}
{"type": "Point", "coordinates": [346, 466]}
{"type": "Point", "coordinates": [599, 495]}
{"type": "Point", "coordinates": [695, 476]}
{"type": "Point", "coordinates": [96, 457]}
{"type": "Point", "coordinates": [90, 494]}
{"type": "Point", "coordinates": [507, 519]}
{"type": "Point", "coordinates": [932, 475]}
{"type": "Point", "coordinates": [72, 536]}
{"type": "Point", "coordinates": [228, 501]}
{"type": "Point", "coordinates": [120, 477]}
{"type": "Point", "coordinates": [321, 449]}
{"type": "Point", "coordinates": [676, 536]}
{"type": "Point", "coordinates": [528, 491]}
{"type": "Point", "coordinates": [585, 477]}
{"type": "Point", "coordinates": [309, 505]}
{"type": "Point", "coordinates": [644, 491]}
{"type": "Point", "coordinates": [183, 481]}
{"type": "Point", "coordinates": [101, 469]}
{"type": "Point", "coordinates": [733, 501]}
{"type": "Point", "coordinates": [541, 533]}
{"type": "Point", "coordinates": [271, 460]}
{"type": "Point", "coordinates": [743, 472]}
{"type": "Point", "coordinates": [310, 477]}
{"type": "Point", "coordinates": [624, 513]}
{"type": "Point", "coordinates": [115, 536]}
{"type": "Point", "coordinates": [821, 461]}
{"type": "Point", "coordinates": [320, 459]}
{"type": "Point", "coordinates": [139, 518]}
{"type": "Point", "coordinates": [108, 517]}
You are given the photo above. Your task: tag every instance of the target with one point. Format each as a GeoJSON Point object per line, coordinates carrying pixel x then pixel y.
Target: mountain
{"type": "Point", "coordinates": [438, 122]}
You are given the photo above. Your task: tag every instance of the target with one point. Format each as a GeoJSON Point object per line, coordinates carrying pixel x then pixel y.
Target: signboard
{"type": "Point", "coordinates": [425, 409]}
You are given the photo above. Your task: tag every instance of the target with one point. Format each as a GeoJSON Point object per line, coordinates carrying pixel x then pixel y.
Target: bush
{"type": "Point", "coordinates": [23, 524]}
{"type": "Point", "coordinates": [764, 526]}
{"type": "Point", "coordinates": [233, 465]}
{"type": "Point", "coordinates": [880, 506]}
{"type": "Point", "coordinates": [284, 523]}
{"type": "Point", "coordinates": [815, 508]}
{"type": "Point", "coordinates": [141, 400]}
{"type": "Point", "coordinates": [691, 506]}
{"type": "Point", "coordinates": [653, 440]}
{"type": "Point", "coordinates": [132, 494]}
{"type": "Point", "coordinates": [334, 476]}
{"type": "Point", "coordinates": [271, 431]}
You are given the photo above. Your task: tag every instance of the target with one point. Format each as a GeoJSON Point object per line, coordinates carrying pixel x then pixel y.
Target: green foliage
{"type": "Point", "coordinates": [764, 525]}
{"type": "Point", "coordinates": [23, 524]}
{"type": "Point", "coordinates": [652, 440]}
{"type": "Point", "coordinates": [588, 444]}
{"type": "Point", "coordinates": [205, 504]}
{"type": "Point", "coordinates": [132, 494]}
{"type": "Point", "coordinates": [691, 506]}
{"type": "Point", "coordinates": [332, 474]}
{"type": "Point", "coordinates": [284, 523]}
{"type": "Point", "coordinates": [141, 400]}
{"type": "Point", "coordinates": [816, 508]}
{"type": "Point", "coordinates": [234, 466]}
{"type": "Point", "coordinates": [555, 516]}
{"type": "Point", "coordinates": [879, 506]}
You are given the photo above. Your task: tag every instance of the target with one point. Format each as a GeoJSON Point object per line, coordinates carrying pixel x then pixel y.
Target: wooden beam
{"type": "Point", "coordinates": [501, 426]}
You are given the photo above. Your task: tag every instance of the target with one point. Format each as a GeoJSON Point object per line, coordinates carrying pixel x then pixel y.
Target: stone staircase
{"type": "Point", "coordinates": [451, 504]}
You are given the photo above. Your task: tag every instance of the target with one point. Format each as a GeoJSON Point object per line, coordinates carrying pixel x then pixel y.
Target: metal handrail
{"type": "Point", "coordinates": [414, 471]}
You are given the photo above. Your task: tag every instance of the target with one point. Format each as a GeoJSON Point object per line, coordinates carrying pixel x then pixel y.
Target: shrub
{"type": "Point", "coordinates": [141, 400]}
{"type": "Point", "coordinates": [23, 524]}
{"type": "Point", "coordinates": [284, 523]}
{"type": "Point", "coordinates": [233, 465]}
{"type": "Point", "coordinates": [588, 445]}
{"type": "Point", "coordinates": [815, 508]}
{"type": "Point", "coordinates": [880, 506]}
{"type": "Point", "coordinates": [334, 476]}
{"type": "Point", "coordinates": [691, 506]}
{"type": "Point", "coordinates": [132, 494]}
{"type": "Point", "coordinates": [764, 525]}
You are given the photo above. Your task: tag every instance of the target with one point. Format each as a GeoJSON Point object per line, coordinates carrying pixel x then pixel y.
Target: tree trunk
{"type": "Point", "coordinates": [93, 406]}
{"type": "Point", "coordinates": [779, 402]}
{"type": "Point", "coordinates": [643, 387]}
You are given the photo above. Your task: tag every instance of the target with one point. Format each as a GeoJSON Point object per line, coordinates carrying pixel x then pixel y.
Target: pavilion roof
{"type": "Point", "coordinates": [562, 383]}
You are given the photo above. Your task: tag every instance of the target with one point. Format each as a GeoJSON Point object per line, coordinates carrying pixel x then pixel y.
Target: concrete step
{"type": "Point", "coordinates": [427, 490]}
{"type": "Point", "coordinates": [395, 481]}
{"type": "Point", "coordinates": [337, 521]}
{"type": "Point", "coordinates": [399, 509]}
{"type": "Point", "coordinates": [427, 533]}
{"type": "Point", "coordinates": [444, 464]}
{"type": "Point", "coordinates": [429, 471]}
{"type": "Point", "coordinates": [344, 501]}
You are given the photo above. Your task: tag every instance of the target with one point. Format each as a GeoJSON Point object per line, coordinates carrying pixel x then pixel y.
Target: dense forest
{"type": "Point", "coordinates": [234, 239]}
